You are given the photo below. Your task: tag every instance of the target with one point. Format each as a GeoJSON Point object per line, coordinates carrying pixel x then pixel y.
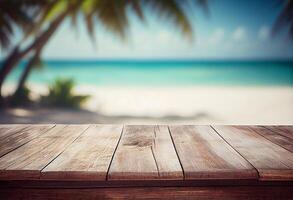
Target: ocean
{"type": "Point", "coordinates": [163, 72]}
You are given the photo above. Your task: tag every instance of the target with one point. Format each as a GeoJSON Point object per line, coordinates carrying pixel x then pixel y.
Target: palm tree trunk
{"type": "Point", "coordinates": [7, 66]}
{"type": "Point", "coordinates": [24, 76]}
{"type": "Point", "coordinates": [46, 35]}
{"type": "Point", "coordinates": [28, 68]}
{"type": "Point", "coordinates": [16, 55]}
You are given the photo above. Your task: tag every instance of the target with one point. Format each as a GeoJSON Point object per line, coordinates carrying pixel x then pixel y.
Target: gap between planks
{"type": "Point", "coordinates": [145, 153]}
{"type": "Point", "coordinates": [88, 157]}
{"type": "Point", "coordinates": [272, 161]}
{"type": "Point", "coordinates": [183, 172]}
{"type": "Point", "coordinates": [32, 161]}
{"type": "Point", "coordinates": [236, 151]}
{"type": "Point", "coordinates": [21, 130]}
{"type": "Point", "coordinates": [254, 130]}
{"type": "Point", "coordinates": [65, 147]}
{"type": "Point", "coordinates": [107, 174]}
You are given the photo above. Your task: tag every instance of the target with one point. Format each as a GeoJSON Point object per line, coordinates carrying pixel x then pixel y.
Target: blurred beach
{"type": "Point", "coordinates": [232, 65]}
{"type": "Point", "coordinates": [146, 92]}
{"type": "Point", "coordinates": [175, 105]}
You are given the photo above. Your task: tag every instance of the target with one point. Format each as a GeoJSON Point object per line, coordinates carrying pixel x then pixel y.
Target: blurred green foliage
{"type": "Point", "coordinates": [21, 98]}
{"type": "Point", "coordinates": [61, 95]}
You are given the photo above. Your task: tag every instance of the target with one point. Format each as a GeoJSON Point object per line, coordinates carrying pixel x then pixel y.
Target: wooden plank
{"type": "Point", "coordinates": [19, 136]}
{"type": "Point", "coordinates": [198, 193]}
{"type": "Point", "coordinates": [134, 158]}
{"type": "Point", "coordinates": [143, 154]}
{"type": "Point", "coordinates": [275, 137]}
{"type": "Point", "coordinates": [286, 131]}
{"type": "Point", "coordinates": [272, 161]}
{"type": "Point", "coordinates": [27, 161]}
{"type": "Point", "coordinates": [205, 155]}
{"type": "Point", "coordinates": [88, 157]}
{"type": "Point", "coordinates": [165, 155]}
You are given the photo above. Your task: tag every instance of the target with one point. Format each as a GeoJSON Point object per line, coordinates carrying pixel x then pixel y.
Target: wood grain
{"type": "Point", "coordinates": [19, 136]}
{"type": "Point", "coordinates": [275, 137]}
{"type": "Point", "coordinates": [165, 155]}
{"type": "Point", "coordinates": [272, 161]}
{"type": "Point", "coordinates": [88, 157]}
{"type": "Point", "coordinates": [6, 130]}
{"type": "Point", "coordinates": [27, 161]}
{"type": "Point", "coordinates": [205, 155]}
{"type": "Point", "coordinates": [145, 152]}
{"type": "Point", "coordinates": [286, 131]}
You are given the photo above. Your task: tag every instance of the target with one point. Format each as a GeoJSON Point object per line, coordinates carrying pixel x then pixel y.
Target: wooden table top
{"type": "Point", "coordinates": [146, 152]}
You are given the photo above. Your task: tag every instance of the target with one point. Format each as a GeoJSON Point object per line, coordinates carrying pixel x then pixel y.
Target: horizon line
{"type": "Point", "coordinates": [164, 59]}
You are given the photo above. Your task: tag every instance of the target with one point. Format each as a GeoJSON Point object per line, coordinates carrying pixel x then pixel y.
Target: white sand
{"type": "Point", "coordinates": [196, 104]}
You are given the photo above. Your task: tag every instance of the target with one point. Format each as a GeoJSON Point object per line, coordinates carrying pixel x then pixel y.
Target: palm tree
{"type": "Point", "coordinates": [43, 36]}
{"type": "Point", "coordinates": [15, 14]}
{"type": "Point", "coordinates": [112, 14]}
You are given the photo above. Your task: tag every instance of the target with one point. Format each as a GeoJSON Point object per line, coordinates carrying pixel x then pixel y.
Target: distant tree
{"type": "Point", "coordinates": [61, 94]}
{"type": "Point", "coordinates": [112, 14]}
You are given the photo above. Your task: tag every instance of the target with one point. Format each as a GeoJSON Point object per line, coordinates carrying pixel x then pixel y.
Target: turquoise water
{"type": "Point", "coordinates": [164, 73]}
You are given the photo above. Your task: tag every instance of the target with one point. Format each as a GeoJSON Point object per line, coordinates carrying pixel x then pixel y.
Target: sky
{"type": "Point", "coordinates": [233, 29]}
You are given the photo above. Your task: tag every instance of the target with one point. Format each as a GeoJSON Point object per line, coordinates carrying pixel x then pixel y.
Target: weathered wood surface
{"type": "Point", "coordinates": [134, 152]}
{"type": "Point", "coordinates": [271, 160]}
{"type": "Point", "coordinates": [28, 160]}
{"type": "Point", "coordinates": [88, 157]}
{"type": "Point", "coordinates": [205, 155]}
{"type": "Point", "coordinates": [145, 161]}
{"type": "Point", "coordinates": [286, 131]}
{"type": "Point", "coordinates": [19, 135]}
{"type": "Point", "coordinates": [7, 130]}
{"type": "Point", "coordinates": [275, 137]}
{"type": "Point", "coordinates": [145, 152]}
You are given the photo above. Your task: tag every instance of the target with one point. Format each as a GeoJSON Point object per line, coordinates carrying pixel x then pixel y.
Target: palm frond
{"type": "Point", "coordinates": [173, 11]}
{"type": "Point", "coordinates": [285, 19]}
{"type": "Point", "coordinates": [112, 15]}
{"type": "Point", "coordinates": [137, 9]}
{"type": "Point", "coordinates": [15, 13]}
{"type": "Point", "coordinates": [48, 13]}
